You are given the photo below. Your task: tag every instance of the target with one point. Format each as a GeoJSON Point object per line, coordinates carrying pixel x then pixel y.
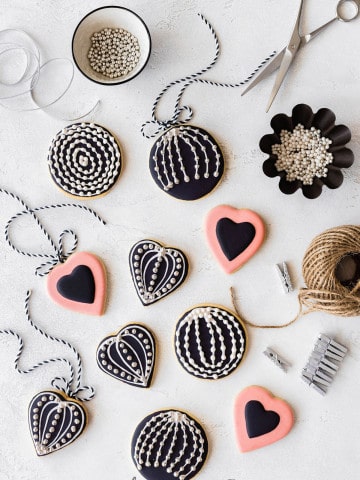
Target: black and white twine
{"type": "Point", "coordinates": [60, 255]}
{"type": "Point", "coordinates": [71, 387]}
{"type": "Point", "coordinates": [175, 120]}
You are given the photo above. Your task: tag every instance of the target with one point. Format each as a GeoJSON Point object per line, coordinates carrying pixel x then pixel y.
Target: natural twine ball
{"type": "Point", "coordinates": [324, 290]}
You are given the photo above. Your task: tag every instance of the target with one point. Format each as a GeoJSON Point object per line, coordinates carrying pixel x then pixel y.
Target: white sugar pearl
{"type": "Point", "coordinates": [113, 52]}
{"type": "Point", "coordinates": [302, 154]}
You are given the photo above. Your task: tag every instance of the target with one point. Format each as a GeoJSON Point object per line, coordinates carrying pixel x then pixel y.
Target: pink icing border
{"type": "Point", "coordinates": [98, 270]}
{"type": "Point", "coordinates": [237, 216]}
{"type": "Point", "coordinates": [269, 402]}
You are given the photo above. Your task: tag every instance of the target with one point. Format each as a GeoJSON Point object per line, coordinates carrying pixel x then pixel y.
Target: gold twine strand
{"type": "Point", "coordinates": [323, 291]}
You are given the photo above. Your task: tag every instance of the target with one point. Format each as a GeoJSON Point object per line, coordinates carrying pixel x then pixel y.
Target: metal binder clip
{"type": "Point", "coordinates": [275, 358]}
{"type": "Point", "coordinates": [284, 277]}
{"type": "Point", "coordinates": [323, 363]}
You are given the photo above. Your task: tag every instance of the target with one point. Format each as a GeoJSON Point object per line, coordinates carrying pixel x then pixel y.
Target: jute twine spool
{"type": "Point", "coordinates": [324, 291]}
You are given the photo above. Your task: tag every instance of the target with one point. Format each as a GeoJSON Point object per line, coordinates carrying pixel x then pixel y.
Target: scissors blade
{"type": "Point", "coordinates": [266, 71]}
{"type": "Point", "coordinates": [284, 67]}
{"type": "Point", "coordinates": [289, 55]}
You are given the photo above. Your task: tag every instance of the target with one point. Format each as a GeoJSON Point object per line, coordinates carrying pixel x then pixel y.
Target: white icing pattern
{"type": "Point", "coordinates": [209, 342]}
{"type": "Point", "coordinates": [169, 162]}
{"type": "Point", "coordinates": [172, 441]}
{"type": "Point", "coordinates": [129, 356]}
{"type": "Point", "coordinates": [84, 160]}
{"type": "Point", "coordinates": [54, 422]}
{"type": "Point", "coordinates": [156, 270]}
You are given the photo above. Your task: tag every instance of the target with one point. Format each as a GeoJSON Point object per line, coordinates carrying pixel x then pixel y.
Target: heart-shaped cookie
{"type": "Point", "coordinates": [129, 355]}
{"type": "Point", "coordinates": [260, 418]}
{"type": "Point", "coordinates": [156, 270]}
{"type": "Point", "coordinates": [234, 235]}
{"type": "Point", "coordinates": [55, 421]}
{"type": "Point", "coordinates": [79, 284]}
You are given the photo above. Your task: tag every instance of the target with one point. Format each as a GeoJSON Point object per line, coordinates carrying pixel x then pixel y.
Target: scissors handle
{"type": "Point", "coordinates": [309, 36]}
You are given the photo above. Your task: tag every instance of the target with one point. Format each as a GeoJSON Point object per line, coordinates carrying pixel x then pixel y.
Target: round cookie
{"type": "Point", "coordinates": [210, 341]}
{"type": "Point", "coordinates": [169, 445]}
{"type": "Point", "coordinates": [129, 355]}
{"type": "Point", "coordinates": [84, 160]}
{"type": "Point", "coordinates": [186, 162]}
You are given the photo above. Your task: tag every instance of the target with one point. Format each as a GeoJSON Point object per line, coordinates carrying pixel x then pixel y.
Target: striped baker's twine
{"type": "Point", "coordinates": [162, 125]}
{"type": "Point", "coordinates": [60, 383]}
{"type": "Point", "coordinates": [60, 255]}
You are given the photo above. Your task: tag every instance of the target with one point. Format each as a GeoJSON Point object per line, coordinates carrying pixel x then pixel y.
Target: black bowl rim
{"type": "Point", "coordinates": [121, 81]}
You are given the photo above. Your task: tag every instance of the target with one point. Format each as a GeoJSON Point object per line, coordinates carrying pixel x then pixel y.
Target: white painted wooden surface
{"type": "Point", "coordinates": [324, 441]}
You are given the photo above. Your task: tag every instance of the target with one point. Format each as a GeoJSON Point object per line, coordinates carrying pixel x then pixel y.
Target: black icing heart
{"type": "Point", "coordinates": [129, 356]}
{"type": "Point", "coordinates": [79, 286]}
{"type": "Point", "coordinates": [54, 421]}
{"type": "Point", "coordinates": [233, 237]}
{"type": "Point", "coordinates": [156, 271]}
{"type": "Point", "coordinates": [258, 420]}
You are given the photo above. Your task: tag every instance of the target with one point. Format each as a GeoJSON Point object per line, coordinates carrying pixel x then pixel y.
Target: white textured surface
{"type": "Point", "coordinates": [324, 441]}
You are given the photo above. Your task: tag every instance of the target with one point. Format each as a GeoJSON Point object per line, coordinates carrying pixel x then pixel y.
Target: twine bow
{"type": "Point", "coordinates": [60, 255]}
{"type": "Point", "coordinates": [175, 120]}
{"type": "Point", "coordinates": [82, 393]}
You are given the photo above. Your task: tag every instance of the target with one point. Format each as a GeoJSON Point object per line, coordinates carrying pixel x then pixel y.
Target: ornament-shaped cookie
{"type": "Point", "coordinates": [210, 341]}
{"type": "Point", "coordinates": [156, 270]}
{"type": "Point", "coordinates": [84, 160]}
{"type": "Point", "coordinates": [55, 421]}
{"type": "Point", "coordinates": [186, 162]}
{"type": "Point", "coordinates": [169, 445]}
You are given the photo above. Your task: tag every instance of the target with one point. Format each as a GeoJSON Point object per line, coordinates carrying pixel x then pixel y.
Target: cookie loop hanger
{"type": "Point", "coordinates": [153, 127]}
{"type": "Point", "coordinates": [72, 386]}
{"type": "Point", "coordinates": [60, 255]}
{"type": "Point", "coordinates": [15, 41]}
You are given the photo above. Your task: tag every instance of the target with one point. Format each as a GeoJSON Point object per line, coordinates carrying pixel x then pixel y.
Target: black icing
{"type": "Point", "coordinates": [54, 425]}
{"type": "Point", "coordinates": [160, 472]}
{"type": "Point", "coordinates": [173, 260]}
{"type": "Point", "coordinates": [103, 160]}
{"type": "Point", "coordinates": [195, 188]}
{"type": "Point", "coordinates": [140, 346]}
{"type": "Point", "coordinates": [79, 286]}
{"type": "Point", "coordinates": [233, 237]}
{"type": "Point", "coordinates": [258, 420]}
{"type": "Point", "coordinates": [210, 345]}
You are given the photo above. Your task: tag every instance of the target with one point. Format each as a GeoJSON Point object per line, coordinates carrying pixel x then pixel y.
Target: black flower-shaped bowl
{"type": "Point", "coordinates": [323, 120]}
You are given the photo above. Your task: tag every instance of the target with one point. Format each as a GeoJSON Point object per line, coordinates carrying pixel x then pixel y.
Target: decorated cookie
{"type": "Point", "coordinates": [55, 421]}
{"type": "Point", "coordinates": [169, 444]}
{"type": "Point", "coordinates": [84, 160]}
{"type": "Point", "coordinates": [156, 270]}
{"type": "Point", "coordinates": [260, 418]}
{"type": "Point", "coordinates": [79, 284]}
{"type": "Point", "coordinates": [210, 341]}
{"type": "Point", "coordinates": [129, 355]}
{"type": "Point", "coordinates": [186, 162]}
{"type": "Point", "coordinates": [234, 235]}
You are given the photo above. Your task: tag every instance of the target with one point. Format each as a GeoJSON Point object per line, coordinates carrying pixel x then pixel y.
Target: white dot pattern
{"type": "Point", "coordinates": [210, 342]}
{"type": "Point", "coordinates": [84, 160]}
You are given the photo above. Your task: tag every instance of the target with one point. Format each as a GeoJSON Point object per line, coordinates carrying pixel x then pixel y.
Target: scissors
{"type": "Point", "coordinates": [284, 59]}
